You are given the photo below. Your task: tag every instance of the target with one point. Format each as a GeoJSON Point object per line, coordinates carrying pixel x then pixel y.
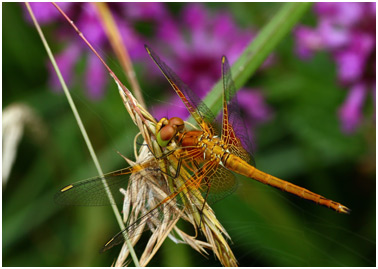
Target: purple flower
{"type": "Point", "coordinates": [95, 77]}
{"type": "Point", "coordinates": [331, 36]}
{"type": "Point", "coordinates": [66, 61]}
{"type": "Point", "coordinates": [89, 23]}
{"type": "Point", "coordinates": [254, 100]}
{"type": "Point", "coordinates": [308, 40]}
{"type": "Point", "coordinates": [46, 12]}
{"type": "Point", "coordinates": [197, 42]}
{"type": "Point", "coordinates": [142, 11]}
{"type": "Point", "coordinates": [347, 32]}
{"type": "Point", "coordinates": [343, 14]}
{"type": "Point", "coordinates": [86, 17]}
{"type": "Point", "coordinates": [352, 59]}
{"type": "Point", "coordinates": [351, 111]}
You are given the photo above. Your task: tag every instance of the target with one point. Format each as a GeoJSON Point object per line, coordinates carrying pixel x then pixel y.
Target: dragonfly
{"type": "Point", "coordinates": [212, 154]}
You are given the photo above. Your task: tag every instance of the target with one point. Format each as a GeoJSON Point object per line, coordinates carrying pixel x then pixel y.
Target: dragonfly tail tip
{"type": "Point", "coordinates": [344, 209]}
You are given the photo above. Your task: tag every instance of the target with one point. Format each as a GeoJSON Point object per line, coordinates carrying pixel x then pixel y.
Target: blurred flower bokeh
{"type": "Point", "coordinates": [194, 42]}
{"type": "Point", "coordinates": [87, 19]}
{"type": "Point", "coordinates": [198, 39]}
{"type": "Point", "coordinates": [348, 32]}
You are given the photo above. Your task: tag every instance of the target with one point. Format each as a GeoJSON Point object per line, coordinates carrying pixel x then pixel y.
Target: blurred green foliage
{"type": "Point", "coordinates": [303, 143]}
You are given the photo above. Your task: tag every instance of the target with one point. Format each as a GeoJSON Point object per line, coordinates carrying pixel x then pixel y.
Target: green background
{"type": "Point", "coordinates": [303, 143]}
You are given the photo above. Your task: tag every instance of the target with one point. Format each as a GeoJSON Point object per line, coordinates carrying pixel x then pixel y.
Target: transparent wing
{"type": "Point", "coordinates": [200, 112]}
{"type": "Point", "coordinates": [92, 192]}
{"type": "Point", "coordinates": [147, 193]}
{"type": "Point", "coordinates": [219, 185]}
{"type": "Point", "coordinates": [164, 212]}
{"type": "Point", "coordinates": [211, 180]}
{"type": "Point", "coordinates": [234, 131]}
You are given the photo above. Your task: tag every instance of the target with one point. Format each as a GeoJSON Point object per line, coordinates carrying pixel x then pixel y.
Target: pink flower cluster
{"type": "Point", "coordinates": [193, 40]}
{"type": "Point", "coordinates": [198, 41]}
{"type": "Point", "coordinates": [347, 32]}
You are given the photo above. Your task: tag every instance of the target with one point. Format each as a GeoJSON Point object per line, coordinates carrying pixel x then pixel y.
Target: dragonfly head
{"type": "Point", "coordinates": [166, 130]}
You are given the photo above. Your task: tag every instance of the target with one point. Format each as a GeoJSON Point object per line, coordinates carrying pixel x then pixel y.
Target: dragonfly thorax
{"type": "Point", "coordinates": [213, 148]}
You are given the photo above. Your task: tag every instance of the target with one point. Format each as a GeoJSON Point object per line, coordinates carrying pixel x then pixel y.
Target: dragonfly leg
{"type": "Point", "coordinates": [166, 154]}
{"type": "Point", "coordinates": [177, 170]}
{"type": "Point", "coordinates": [204, 202]}
{"type": "Point", "coordinates": [180, 160]}
{"type": "Point", "coordinates": [196, 165]}
{"type": "Point", "coordinates": [163, 156]}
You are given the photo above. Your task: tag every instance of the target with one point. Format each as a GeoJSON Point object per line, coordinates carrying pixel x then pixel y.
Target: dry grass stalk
{"type": "Point", "coordinates": [148, 187]}
{"type": "Point", "coordinates": [120, 50]}
{"type": "Point", "coordinates": [18, 118]}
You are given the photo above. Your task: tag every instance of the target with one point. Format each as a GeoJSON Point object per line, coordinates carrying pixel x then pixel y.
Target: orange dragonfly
{"type": "Point", "coordinates": [228, 152]}
{"type": "Point", "coordinates": [210, 154]}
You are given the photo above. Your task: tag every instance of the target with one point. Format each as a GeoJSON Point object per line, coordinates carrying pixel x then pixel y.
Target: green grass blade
{"type": "Point", "coordinates": [259, 49]}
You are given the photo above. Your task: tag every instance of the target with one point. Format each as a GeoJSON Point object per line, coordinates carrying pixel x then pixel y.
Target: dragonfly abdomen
{"type": "Point", "coordinates": [239, 166]}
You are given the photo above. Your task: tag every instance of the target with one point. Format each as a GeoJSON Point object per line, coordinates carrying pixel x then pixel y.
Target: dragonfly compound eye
{"type": "Point", "coordinates": [165, 135]}
{"type": "Point", "coordinates": [177, 123]}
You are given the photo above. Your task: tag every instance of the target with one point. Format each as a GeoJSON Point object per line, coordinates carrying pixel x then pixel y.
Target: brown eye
{"type": "Point", "coordinates": [167, 133]}
{"type": "Point", "coordinates": [178, 123]}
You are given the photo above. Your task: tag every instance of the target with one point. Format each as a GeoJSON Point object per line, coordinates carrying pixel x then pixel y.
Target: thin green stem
{"type": "Point", "coordinates": [84, 133]}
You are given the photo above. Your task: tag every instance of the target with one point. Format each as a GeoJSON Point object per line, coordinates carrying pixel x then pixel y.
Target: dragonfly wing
{"type": "Point", "coordinates": [234, 131]}
{"type": "Point", "coordinates": [220, 184]}
{"type": "Point", "coordinates": [215, 182]}
{"type": "Point", "coordinates": [200, 112]}
{"type": "Point", "coordinates": [116, 240]}
{"type": "Point", "coordinates": [92, 192]}
{"type": "Point", "coordinates": [167, 211]}
{"type": "Point", "coordinates": [135, 229]}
